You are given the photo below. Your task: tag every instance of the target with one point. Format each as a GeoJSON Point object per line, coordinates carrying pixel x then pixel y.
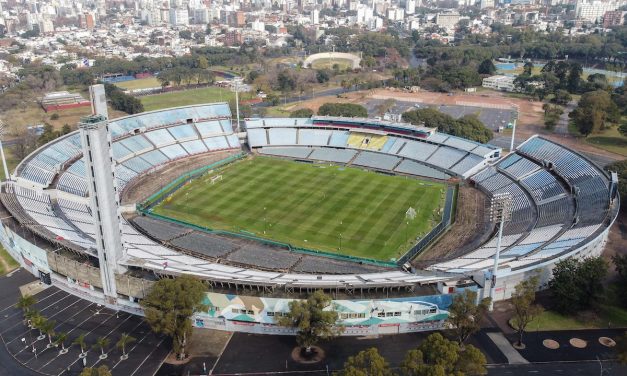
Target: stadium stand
{"type": "Point", "coordinates": [561, 201]}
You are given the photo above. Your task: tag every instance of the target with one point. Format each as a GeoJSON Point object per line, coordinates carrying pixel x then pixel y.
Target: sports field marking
{"type": "Point", "coordinates": [336, 209]}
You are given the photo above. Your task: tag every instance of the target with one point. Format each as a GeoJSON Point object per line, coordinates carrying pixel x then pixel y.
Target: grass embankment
{"type": "Point", "coordinates": [7, 263]}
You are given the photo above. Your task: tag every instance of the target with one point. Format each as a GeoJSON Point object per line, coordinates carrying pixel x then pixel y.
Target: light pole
{"type": "Point", "coordinates": [236, 87]}
{"type": "Point", "coordinates": [7, 176]}
{"type": "Point", "coordinates": [511, 145]}
{"type": "Point", "coordinates": [500, 212]}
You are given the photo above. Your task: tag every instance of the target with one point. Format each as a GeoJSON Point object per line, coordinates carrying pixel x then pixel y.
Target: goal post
{"type": "Point", "coordinates": [215, 179]}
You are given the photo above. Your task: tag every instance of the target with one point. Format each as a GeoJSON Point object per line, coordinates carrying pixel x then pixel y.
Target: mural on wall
{"type": "Point", "coordinates": [261, 310]}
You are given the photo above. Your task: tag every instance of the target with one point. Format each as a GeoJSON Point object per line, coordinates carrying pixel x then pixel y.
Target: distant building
{"type": "Point", "coordinates": [410, 6]}
{"type": "Point", "coordinates": [179, 17]}
{"type": "Point", "coordinates": [503, 83]}
{"type": "Point", "coordinates": [593, 11]}
{"type": "Point", "coordinates": [447, 20]}
{"type": "Point", "coordinates": [614, 18]}
{"type": "Point", "coordinates": [315, 17]}
{"type": "Point", "coordinates": [233, 38]}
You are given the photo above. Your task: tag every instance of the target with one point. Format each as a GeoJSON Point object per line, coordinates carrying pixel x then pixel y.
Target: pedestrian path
{"type": "Point", "coordinates": [513, 356]}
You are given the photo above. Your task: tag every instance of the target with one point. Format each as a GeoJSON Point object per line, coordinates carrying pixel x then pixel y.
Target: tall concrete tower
{"type": "Point", "coordinates": [103, 194]}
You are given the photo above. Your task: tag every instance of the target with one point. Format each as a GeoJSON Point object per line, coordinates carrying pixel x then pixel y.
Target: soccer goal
{"type": "Point", "coordinates": [215, 179]}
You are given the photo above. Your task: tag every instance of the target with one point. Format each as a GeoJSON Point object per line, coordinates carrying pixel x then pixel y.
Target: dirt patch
{"type": "Point", "coordinates": [140, 189]}
{"type": "Point", "coordinates": [467, 233]}
{"type": "Point", "coordinates": [208, 342]}
{"type": "Point", "coordinates": [551, 344]}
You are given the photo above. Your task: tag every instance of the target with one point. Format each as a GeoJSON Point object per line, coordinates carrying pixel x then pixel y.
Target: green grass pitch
{"type": "Point", "coordinates": [312, 206]}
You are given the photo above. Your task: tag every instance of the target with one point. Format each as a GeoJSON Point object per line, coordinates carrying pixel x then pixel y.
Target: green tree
{"type": "Point", "coordinates": [80, 342]}
{"type": "Point", "coordinates": [562, 97]}
{"type": "Point", "coordinates": [25, 303]}
{"type": "Point", "coordinates": [302, 113]}
{"type": "Point", "coordinates": [594, 112]}
{"type": "Point", "coordinates": [47, 327]}
{"type": "Point", "coordinates": [528, 68]}
{"type": "Point", "coordinates": [438, 356]}
{"type": "Point", "coordinates": [366, 363]}
{"type": "Point", "coordinates": [313, 318]}
{"type": "Point", "coordinates": [577, 284]}
{"type": "Point", "coordinates": [102, 343]}
{"type": "Point", "coordinates": [60, 340]}
{"type": "Point", "coordinates": [100, 371]}
{"type": "Point", "coordinates": [486, 67]}
{"type": "Point", "coordinates": [620, 264]}
{"type": "Point", "coordinates": [169, 306]}
{"type": "Point", "coordinates": [465, 314]}
{"type": "Point", "coordinates": [124, 340]}
{"type": "Point", "coordinates": [343, 109]}
{"type": "Point", "coordinates": [524, 310]}
{"type": "Point", "coordinates": [185, 34]}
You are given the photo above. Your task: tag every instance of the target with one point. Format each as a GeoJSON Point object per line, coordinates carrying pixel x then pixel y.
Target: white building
{"type": "Point", "coordinates": [315, 17]}
{"type": "Point", "coordinates": [410, 6]}
{"type": "Point", "coordinates": [503, 83]}
{"type": "Point", "coordinates": [179, 17]}
{"type": "Point", "coordinates": [594, 10]}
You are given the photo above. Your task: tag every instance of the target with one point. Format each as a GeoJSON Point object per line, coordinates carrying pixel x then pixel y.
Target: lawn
{"type": "Point", "coordinates": [142, 83]}
{"type": "Point", "coordinates": [187, 97]}
{"type": "Point", "coordinates": [610, 140]}
{"type": "Point", "coordinates": [330, 208]}
{"type": "Point", "coordinates": [7, 263]}
{"type": "Point", "coordinates": [343, 64]}
{"type": "Point", "coordinates": [190, 97]}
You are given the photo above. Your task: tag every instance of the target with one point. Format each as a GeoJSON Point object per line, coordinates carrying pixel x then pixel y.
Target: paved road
{"type": "Point", "coordinates": [557, 369]}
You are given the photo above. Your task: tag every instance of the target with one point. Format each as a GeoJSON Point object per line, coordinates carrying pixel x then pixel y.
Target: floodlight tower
{"type": "Point", "coordinates": [98, 159]}
{"type": "Point", "coordinates": [500, 212]}
{"type": "Point", "coordinates": [7, 176]}
{"type": "Point", "coordinates": [236, 87]}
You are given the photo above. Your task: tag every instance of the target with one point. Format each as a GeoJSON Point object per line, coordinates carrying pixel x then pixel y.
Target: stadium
{"type": "Point", "coordinates": [359, 208]}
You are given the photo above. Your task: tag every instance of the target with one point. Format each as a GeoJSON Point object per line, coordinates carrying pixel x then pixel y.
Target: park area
{"type": "Point", "coordinates": [336, 209]}
{"type": "Point", "coordinates": [187, 97]}
{"type": "Point", "coordinates": [141, 83]}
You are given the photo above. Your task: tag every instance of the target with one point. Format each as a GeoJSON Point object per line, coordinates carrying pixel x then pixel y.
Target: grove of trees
{"type": "Point", "coordinates": [343, 109]}
{"type": "Point", "coordinates": [595, 112]}
{"type": "Point", "coordinates": [122, 101]}
{"type": "Point", "coordinates": [467, 126]}
{"type": "Point", "coordinates": [577, 284]}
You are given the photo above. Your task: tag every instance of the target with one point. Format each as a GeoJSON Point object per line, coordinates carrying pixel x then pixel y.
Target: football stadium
{"type": "Point", "coordinates": [366, 210]}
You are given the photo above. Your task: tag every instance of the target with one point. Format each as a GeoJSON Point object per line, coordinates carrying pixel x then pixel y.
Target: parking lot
{"type": "Point", "coordinates": [493, 118]}
{"type": "Point", "coordinates": [74, 316]}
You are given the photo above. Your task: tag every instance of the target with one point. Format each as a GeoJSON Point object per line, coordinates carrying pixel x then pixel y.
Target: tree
{"type": "Point", "coordinates": [47, 328]}
{"type": "Point", "coordinates": [302, 113]}
{"type": "Point", "coordinates": [60, 340]}
{"type": "Point", "coordinates": [100, 371]}
{"type": "Point", "coordinates": [468, 126]}
{"type": "Point", "coordinates": [185, 34]}
{"type": "Point", "coordinates": [366, 363]}
{"type": "Point", "coordinates": [620, 264]}
{"type": "Point", "coordinates": [25, 303]}
{"type": "Point", "coordinates": [577, 284]}
{"type": "Point", "coordinates": [169, 306]}
{"type": "Point", "coordinates": [323, 75]}
{"type": "Point", "coordinates": [465, 314]}
{"type": "Point", "coordinates": [562, 97]}
{"type": "Point", "coordinates": [524, 310]}
{"type": "Point", "coordinates": [486, 67]}
{"type": "Point", "coordinates": [102, 343]}
{"type": "Point", "coordinates": [313, 319]}
{"type": "Point", "coordinates": [437, 356]}
{"type": "Point", "coordinates": [594, 112]}
{"type": "Point", "coordinates": [528, 68]}
{"type": "Point", "coordinates": [124, 340]}
{"type": "Point", "coordinates": [343, 109]}
{"type": "Point", "coordinates": [39, 323]}
{"type": "Point", "coordinates": [80, 342]}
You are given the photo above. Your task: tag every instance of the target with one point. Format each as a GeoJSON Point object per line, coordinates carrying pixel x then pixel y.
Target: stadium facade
{"type": "Point", "coordinates": [563, 206]}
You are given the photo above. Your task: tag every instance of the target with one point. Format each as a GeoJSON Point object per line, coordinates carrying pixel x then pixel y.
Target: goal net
{"type": "Point", "coordinates": [215, 179]}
